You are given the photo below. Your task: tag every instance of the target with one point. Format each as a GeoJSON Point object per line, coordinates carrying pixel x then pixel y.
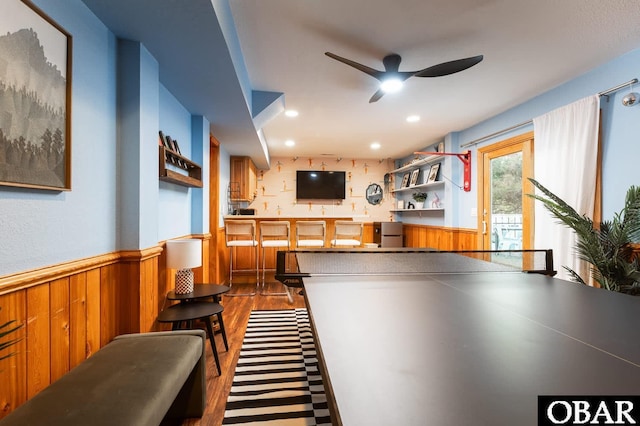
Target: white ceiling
{"type": "Point", "coordinates": [214, 55]}
{"type": "Point", "coordinates": [529, 47]}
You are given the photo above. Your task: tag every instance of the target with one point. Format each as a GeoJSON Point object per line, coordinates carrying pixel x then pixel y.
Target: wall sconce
{"type": "Point", "coordinates": [183, 255]}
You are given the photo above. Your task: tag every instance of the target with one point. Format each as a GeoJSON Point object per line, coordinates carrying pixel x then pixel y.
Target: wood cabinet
{"type": "Point", "coordinates": [245, 174]}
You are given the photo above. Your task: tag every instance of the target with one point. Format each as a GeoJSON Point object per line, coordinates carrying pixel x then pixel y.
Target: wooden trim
{"type": "Point", "coordinates": [26, 279]}
{"type": "Point", "coordinates": [22, 280]}
{"type": "Point", "coordinates": [213, 260]}
{"type": "Point", "coordinates": [140, 255]}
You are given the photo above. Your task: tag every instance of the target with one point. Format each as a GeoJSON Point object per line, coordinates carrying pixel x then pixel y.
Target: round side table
{"type": "Point", "coordinates": [202, 291]}
{"type": "Point", "coordinates": [188, 312]}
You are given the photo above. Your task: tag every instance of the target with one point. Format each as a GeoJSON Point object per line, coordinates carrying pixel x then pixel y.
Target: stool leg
{"type": "Point", "coordinates": [231, 249]}
{"type": "Point", "coordinates": [224, 333]}
{"type": "Point", "coordinates": [213, 343]}
{"type": "Point", "coordinates": [231, 266]}
{"type": "Point", "coordinates": [263, 268]}
{"type": "Point", "coordinates": [257, 269]}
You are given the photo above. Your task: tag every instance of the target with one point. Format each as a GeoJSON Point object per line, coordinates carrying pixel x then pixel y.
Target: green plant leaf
{"type": "Point", "coordinates": [607, 248]}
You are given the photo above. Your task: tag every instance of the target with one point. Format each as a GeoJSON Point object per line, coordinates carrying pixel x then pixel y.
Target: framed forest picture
{"type": "Point", "coordinates": [35, 99]}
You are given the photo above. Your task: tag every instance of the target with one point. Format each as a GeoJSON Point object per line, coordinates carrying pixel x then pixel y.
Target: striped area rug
{"type": "Point", "coordinates": [277, 381]}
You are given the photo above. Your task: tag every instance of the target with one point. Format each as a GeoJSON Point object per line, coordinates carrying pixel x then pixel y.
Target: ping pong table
{"type": "Point", "coordinates": [410, 338]}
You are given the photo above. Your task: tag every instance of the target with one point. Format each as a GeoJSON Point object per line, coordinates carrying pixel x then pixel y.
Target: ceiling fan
{"type": "Point", "coordinates": [391, 79]}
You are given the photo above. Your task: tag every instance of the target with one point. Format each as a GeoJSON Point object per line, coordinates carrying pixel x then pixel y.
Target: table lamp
{"type": "Point", "coordinates": [184, 255]}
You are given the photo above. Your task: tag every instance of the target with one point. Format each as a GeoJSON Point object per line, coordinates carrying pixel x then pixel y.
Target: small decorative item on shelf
{"type": "Point", "coordinates": [419, 198]}
{"type": "Point", "coordinates": [435, 203]}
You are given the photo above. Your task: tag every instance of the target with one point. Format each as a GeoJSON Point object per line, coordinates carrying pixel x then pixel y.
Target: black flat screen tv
{"type": "Point", "coordinates": [320, 185]}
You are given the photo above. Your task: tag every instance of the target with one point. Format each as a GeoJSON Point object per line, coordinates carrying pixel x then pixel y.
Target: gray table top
{"type": "Point", "coordinates": [200, 291]}
{"type": "Point", "coordinates": [468, 348]}
{"type": "Point", "coordinates": [189, 311]}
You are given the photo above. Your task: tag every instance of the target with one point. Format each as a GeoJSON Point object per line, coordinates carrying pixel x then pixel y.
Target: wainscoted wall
{"type": "Point", "coordinates": [417, 236]}
{"type": "Point", "coordinates": [69, 311]}
{"type": "Point", "coordinates": [440, 238]}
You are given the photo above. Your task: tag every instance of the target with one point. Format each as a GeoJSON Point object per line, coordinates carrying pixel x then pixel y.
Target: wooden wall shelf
{"type": "Point", "coordinates": [193, 178]}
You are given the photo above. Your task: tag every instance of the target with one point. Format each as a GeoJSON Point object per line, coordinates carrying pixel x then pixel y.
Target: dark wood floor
{"type": "Point", "coordinates": [236, 315]}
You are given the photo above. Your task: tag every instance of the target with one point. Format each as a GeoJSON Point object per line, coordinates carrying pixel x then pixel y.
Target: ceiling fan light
{"type": "Point", "coordinates": [391, 85]}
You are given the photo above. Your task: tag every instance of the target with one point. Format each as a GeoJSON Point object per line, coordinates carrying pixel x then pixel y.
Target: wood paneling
{"type": "Point", "coordinates": [13, 370]}
{"type": "Point", "coordinates": [222, 273]}
{"type": "Point", "coordinates": [424, 236]}
{"type": "Point", "coordinates": [93, 312]}
{"type": "Point", "coordinates": [77, 319]}
{"type": "Point", "coordinates": [59, 326]}
{"type": "Point", "coordinates": [38, 339]}
{"type": "Point", "coordinates": [439, 238]}
{"type": "Point", "coordinates": [71, 310]}
{"type": "Point", "coordinates": [109, 305]}
{"type": "Point", "coordinates": [35, 277]}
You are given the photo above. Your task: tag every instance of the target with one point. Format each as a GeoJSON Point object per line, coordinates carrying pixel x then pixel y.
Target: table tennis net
{"type": "Point", "coordinates": [294, 265]}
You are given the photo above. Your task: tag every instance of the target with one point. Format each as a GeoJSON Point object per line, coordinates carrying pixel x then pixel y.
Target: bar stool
{"type": "Point", "coordinates": [348, 234]}
{"type": "Point", "coordinates": [241, 233]}
{"type": "Point", "coordinates": [310, 233]}
{"type": "Point", "coordinates": [273, 234]}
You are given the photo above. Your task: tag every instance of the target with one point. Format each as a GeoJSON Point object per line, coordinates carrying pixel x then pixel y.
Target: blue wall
{"type": "Point", "coordinates": [620, 131]}
{"type": "Point", "coordinates": [174, 216]}
{"type": "Point", "coordinates": [40, 228]}
{"type": "Point", "coordinates": [620, 127]}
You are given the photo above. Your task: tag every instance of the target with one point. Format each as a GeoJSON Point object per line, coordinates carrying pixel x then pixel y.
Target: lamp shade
{"type": "Point", "coordinates": [184, 254]}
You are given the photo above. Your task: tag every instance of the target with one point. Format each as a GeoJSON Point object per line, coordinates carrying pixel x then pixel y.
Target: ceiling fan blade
{"type": "Point", "coordinates": [451, 67]}
{"type": "Point", "coordinates": [376, 96]}
{"type": "Point", "coordinates": [365, 69]}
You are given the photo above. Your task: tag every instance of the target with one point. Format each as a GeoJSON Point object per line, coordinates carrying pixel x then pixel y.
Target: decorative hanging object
{"type": "Point", "coordinates": [631, 98]}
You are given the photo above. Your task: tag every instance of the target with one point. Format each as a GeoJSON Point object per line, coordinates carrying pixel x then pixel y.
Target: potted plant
{"type": "Point", "coordinates": [419, 198]}
{"type": "Point", "coordinates": [5, 330]}
{"type": "Point", "coordinates": [609, 247]}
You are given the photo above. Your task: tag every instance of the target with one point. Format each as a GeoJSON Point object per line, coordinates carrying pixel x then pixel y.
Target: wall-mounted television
{"type": "Point", "coordinates": [320, 185]}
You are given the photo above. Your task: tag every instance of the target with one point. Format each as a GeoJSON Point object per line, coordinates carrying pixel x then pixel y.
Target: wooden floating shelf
{"type": "Point", "coordinates": [440, 209]}
{"type": "Point", "coordinates": [420, 186]}
{"type": "Point", "coordinates": [418, 163]}
{"type": "Point", "coordinates": [193, 178]}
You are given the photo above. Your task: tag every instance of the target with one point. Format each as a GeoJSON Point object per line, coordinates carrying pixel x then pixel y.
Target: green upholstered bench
{"type": "Point", "coordinates": [137, 379]}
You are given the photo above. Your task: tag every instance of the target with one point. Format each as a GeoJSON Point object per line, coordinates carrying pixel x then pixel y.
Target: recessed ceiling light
{"type": "Point", "coordinates": [375, 145]}
{"type": "Point", "coordinates": [413, 118]}
{"type": "Point", "coordinates": [291, 113]}
{"type": "Point", "coordinates": [289, 142]}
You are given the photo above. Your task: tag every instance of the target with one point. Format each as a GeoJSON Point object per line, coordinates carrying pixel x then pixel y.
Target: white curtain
{"type": "Point", "coordinates": [565, 162]}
